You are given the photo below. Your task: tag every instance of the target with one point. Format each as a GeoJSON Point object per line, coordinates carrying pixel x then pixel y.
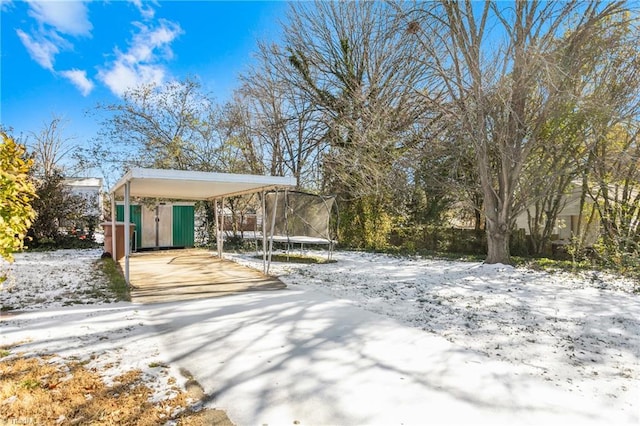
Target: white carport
{"type": "Point", "coordinates": [192, 186]}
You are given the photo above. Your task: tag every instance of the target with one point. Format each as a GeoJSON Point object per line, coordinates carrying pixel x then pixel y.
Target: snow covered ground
{"type": "Point", "coordinates": [579, 335]}
{"type": "Point", "coordinates": [61, 305]}
{"type": "Point", "coordinates": [581, 332]}
{"type": "Point", "coordinates": [52, 279]}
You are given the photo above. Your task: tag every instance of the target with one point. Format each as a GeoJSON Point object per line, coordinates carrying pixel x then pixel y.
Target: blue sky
{"type": "Point", "coordinates": [64, 57]}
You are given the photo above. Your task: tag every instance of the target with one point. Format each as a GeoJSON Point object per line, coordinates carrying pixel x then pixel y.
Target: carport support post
{"type": "Point", "coordinates": [216, 216]}
{"type": "Point", "coordinates": [273, 225]}
{"type": "Point", "coordinates": [264, 232]}
{"type": "Point", "coordinates": [127, 230]}
{"type": "Point", "coordinates": [221, 244]}
{"type": "Point", "coordinates": [113, 227]}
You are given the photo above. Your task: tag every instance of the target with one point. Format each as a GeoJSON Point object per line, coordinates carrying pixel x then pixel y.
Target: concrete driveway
{"type": "Point", "coordinates": [176, 275]}
{"type": "Point", "coordinates": [297, 356]}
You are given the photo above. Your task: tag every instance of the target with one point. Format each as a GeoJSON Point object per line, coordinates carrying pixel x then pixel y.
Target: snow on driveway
{"type": "Point", "coordinates": [371, 339]}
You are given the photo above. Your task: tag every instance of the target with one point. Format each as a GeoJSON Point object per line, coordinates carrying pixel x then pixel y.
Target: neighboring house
{"type": "Point", "coordinates": [91, 190]}
{"type": "Point", "coordinates": [566, 224]}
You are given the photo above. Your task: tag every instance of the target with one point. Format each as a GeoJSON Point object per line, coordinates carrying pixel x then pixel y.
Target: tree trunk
{"type": "Point", "coordinates": [498, 243]}
{"type": "Point", "coordinates": [477, 220]}
{"type": "Point", "coordinates": [496, 220]}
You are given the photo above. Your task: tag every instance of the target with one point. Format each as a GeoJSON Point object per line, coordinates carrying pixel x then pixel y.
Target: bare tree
{"type": "Point", "coordinates": [169, 126]}
{"type": "Point", "coordinates": [351, 61]}
{"type": "Point", "coordinates": [617, 189]}
{"type": "Point", "coordinates": [505, 69]}
{"type": "Point", "coordinates": [286, 126]}
{"type": "Point", "coordinates": [51, 147]}
{"type": "Point", "coordinates": [612, 163]}
{"type": "Point", "coordinates": [238, 128]}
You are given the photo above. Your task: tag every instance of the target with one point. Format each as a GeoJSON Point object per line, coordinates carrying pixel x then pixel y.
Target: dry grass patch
{"type": "Point", "coordinates": [48, 390]}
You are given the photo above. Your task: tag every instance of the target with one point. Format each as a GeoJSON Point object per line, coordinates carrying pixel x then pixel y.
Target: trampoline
{"type": "Point", "coordinates": [297, 218]}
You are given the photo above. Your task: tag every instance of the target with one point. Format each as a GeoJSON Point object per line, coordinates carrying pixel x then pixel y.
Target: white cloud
{"type": "Point", "coordinates": [54, 18]}
{"type": "Point", "coordinates": [122, 76]}
{"type": "Point", "coordinates": [80, 80]}
{"type": "Point", "coordinates": [6, 5]}
{"type": "Point", "coordinates": [43, 50]}
{"type": "Point", "coordinates": [145, 9]}
{"type": "Point", "coordinates": [142, 62]}
{"type": "Point", "coordinates": [66, 17]}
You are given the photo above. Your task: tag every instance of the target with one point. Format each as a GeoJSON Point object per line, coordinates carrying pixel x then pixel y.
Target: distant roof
{"type": "Point", "coordinates": [192, 185]}
{"type": "Point", "coordinates": [83, 181]}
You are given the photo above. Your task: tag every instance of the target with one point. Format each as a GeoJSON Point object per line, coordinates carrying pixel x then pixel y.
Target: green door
{"type": "Point", "coordinates": [183, 226]}
{"type": "Point", "coordinates": [136, 218]}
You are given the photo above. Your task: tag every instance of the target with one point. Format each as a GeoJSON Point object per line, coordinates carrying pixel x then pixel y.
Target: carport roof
{"type": "Point", "coordinates": [191, 185]}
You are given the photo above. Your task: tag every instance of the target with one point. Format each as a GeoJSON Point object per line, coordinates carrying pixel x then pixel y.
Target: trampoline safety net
{"type": "Point", "coordinates": [298, 214]}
